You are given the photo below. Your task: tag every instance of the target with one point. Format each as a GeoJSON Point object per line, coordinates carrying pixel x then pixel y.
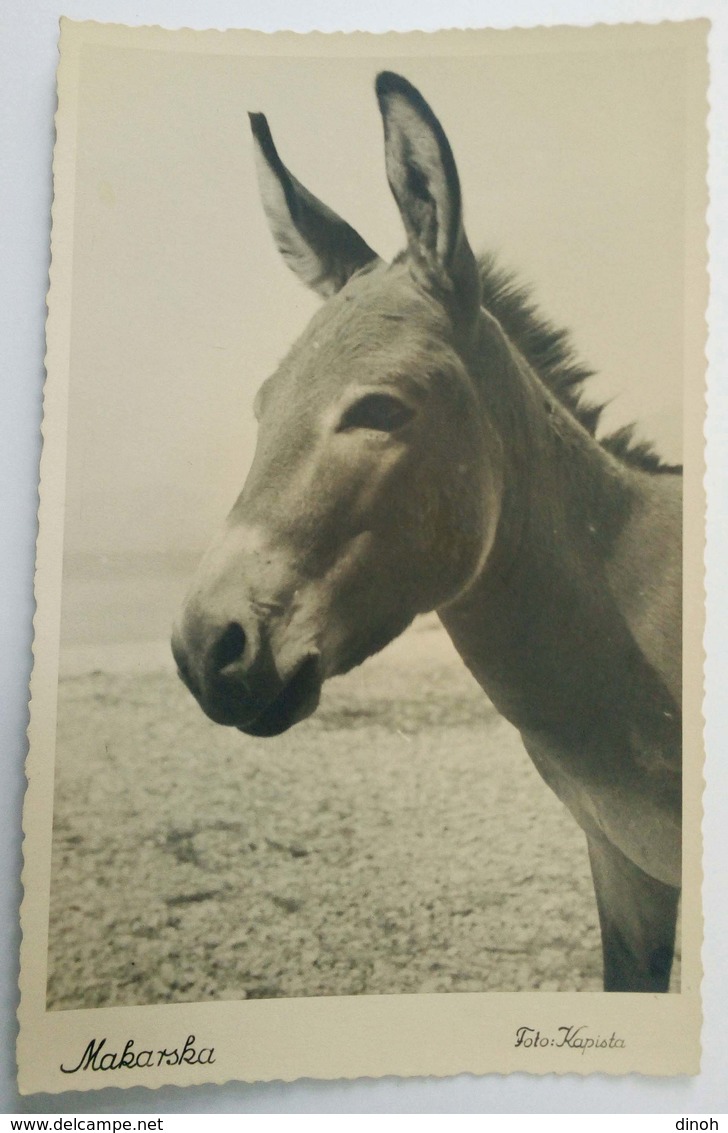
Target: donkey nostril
{"type": "Point", "coordinates": [229, 648]}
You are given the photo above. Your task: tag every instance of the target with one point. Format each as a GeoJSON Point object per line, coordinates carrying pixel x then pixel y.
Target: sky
{"type": "Point", "coordinates": [573, 167]}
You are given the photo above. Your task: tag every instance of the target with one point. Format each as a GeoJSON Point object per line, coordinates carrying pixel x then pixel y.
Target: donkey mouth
{"type": "Point", "coordinates": [297, 699]}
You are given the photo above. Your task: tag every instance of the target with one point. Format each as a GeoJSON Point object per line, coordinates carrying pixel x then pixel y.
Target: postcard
{"type": "Point", "coordinates": [366, 729]}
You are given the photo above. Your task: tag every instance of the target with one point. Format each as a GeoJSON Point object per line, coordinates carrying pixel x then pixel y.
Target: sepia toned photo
{"type": "Point", "coordinates": [365, 724]}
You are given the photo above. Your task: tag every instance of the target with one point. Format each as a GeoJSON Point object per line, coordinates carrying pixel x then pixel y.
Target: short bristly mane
{"type": "Point", "coordinates": [549, 351]}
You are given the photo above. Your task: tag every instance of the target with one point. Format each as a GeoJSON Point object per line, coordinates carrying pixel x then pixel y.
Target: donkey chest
{"type": "Point", "coordinates": [599, 722]}
{"type": "Point", "coordinates": [612, 753]}
{"type": "Point", "coordinates": [634, 802]}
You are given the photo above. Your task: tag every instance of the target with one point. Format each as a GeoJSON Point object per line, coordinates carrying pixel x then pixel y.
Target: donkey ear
{"type": "Point", "coordinates": [321, 248]}
{"type": "Point", "coordinates": [423, 177]}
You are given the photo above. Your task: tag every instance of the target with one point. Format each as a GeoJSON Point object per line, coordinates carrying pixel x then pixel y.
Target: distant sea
{"type": "Point", "coordinates": [117, 614]}
{"type": "Point", "coordinates": [117, 611]}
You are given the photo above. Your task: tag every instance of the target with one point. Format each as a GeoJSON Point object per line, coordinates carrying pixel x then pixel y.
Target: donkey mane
{"type": "Point", "coordinates": [550, 352]}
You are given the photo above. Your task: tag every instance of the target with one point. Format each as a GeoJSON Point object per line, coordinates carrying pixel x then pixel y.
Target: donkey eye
{"type": "Point", "coordinates": [379, 411]}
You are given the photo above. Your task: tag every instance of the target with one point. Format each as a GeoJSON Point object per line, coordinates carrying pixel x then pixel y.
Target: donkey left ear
{"type": "Point", "coordinates": [321, 248]}
{"type": "Point", "coordinates": [424, 180]}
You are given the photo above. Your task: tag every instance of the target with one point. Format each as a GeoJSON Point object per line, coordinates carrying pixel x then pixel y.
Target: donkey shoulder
{"type": "Point", "coordinates": [645, 574]}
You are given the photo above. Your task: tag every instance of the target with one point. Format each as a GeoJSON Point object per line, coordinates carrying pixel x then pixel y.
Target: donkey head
{"type": "Point", "coordinates": [373, 495]}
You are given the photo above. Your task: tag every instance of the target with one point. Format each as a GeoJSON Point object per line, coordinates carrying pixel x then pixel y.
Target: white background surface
{"type": "Point", "coordinates": [28, 37]}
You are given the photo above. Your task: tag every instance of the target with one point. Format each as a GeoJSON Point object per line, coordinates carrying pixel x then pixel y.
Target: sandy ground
{"type": "Point", "coordinates": [398, 841]}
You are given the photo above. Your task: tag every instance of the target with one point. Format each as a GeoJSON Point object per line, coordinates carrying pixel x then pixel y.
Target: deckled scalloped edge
{"type": "Point", "coordinates": [49, 391]}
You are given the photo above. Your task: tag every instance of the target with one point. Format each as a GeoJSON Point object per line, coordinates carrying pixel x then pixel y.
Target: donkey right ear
{"type": "Point", "coordinates": [423, 178]}
{"type": "Point", "coordinates": [321, 248]}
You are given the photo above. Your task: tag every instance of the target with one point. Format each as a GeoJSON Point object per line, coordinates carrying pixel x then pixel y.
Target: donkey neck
{"type": "Point", "coordinates": [539, 627]}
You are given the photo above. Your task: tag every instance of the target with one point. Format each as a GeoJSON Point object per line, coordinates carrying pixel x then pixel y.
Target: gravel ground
{"type": "Point", "coordinates": [398, 841]}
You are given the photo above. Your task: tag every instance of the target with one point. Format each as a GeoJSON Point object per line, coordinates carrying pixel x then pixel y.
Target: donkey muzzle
{"type": "Point", "coordinates": [232, 673]}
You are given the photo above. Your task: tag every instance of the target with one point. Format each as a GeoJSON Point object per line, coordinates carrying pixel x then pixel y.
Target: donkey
{"type": "Point", "coordinates": [424, 447]}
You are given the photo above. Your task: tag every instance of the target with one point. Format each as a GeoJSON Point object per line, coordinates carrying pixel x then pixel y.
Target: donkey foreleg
{"type": "Point", "coordinates": [637, 915]}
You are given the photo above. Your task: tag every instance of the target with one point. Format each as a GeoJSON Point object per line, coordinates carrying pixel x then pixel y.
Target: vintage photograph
{"type": "Point", "coordinates": [378, 376]}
